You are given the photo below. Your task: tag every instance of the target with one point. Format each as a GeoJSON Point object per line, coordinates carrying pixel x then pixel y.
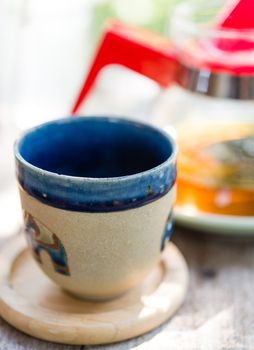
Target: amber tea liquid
{"type": "Point", "coordinates": [216, 167]}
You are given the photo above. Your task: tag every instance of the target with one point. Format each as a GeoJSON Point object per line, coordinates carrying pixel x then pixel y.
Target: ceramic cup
{"type": "Point", "coordinates": [97, 196]}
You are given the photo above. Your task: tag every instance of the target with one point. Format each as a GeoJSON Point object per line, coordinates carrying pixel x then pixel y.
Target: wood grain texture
{"type": "Point", "coordinates": [34, 304]}
{"type": "Point", "coordinates": [218, 313]}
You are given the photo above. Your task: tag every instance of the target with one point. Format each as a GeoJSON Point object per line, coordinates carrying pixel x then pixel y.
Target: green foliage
{"type": "Point", "coordinates": [150, 14]}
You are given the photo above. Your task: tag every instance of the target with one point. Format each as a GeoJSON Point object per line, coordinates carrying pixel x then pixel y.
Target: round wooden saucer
{"type": "Point", "coordinates": [32, 303]}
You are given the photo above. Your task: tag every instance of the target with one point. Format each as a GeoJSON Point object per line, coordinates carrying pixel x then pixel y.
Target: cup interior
{"type": "Point", "coordinates": [95, 147]}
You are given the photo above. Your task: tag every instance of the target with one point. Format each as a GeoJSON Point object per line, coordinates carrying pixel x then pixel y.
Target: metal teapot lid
{"type": "Point", "coordinates": [220, 64]}
{"type": "Point", "coordinates": [215, 84]}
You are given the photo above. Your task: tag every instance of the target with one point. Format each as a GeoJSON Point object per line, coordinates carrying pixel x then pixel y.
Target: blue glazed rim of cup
{"type": "Point", "coordinates": [92, 194]}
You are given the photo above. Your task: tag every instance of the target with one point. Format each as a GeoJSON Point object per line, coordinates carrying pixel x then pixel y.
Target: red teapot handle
{"type": "Point", "coordinates": [139, 50]}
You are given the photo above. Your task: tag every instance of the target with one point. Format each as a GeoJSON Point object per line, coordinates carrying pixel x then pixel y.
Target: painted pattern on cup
{"type": "Point", "coordinates": [40, 238]}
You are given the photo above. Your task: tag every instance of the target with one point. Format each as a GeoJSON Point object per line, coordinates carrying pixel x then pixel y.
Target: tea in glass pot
{"type": "Point", "coordinates": [206, 72]}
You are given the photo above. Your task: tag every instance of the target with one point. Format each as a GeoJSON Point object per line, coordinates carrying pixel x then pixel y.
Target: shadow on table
{"type": "Point", "coordinates": [221, 282]}
{"type": "Point", "coordinates": [206, 252]}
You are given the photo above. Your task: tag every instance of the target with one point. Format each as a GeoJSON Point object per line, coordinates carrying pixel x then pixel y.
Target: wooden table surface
{"type": "Point", "coordinates": [218, 312]}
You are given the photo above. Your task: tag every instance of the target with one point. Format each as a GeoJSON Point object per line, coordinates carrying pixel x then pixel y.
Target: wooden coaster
{"type": "Point", "coordinates": [32, 303]}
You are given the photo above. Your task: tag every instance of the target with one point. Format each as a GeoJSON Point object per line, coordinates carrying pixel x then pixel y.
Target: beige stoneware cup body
{"type": "Point", "coordinates": [95, 237]}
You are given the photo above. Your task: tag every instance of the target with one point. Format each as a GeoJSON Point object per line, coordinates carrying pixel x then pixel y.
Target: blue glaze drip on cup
{"type": "Point", "coordinates": [96, 164]}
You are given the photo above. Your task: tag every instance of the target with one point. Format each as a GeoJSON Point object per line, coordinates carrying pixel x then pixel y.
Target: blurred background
{"type": "Point", "coordinates": [45, 48]}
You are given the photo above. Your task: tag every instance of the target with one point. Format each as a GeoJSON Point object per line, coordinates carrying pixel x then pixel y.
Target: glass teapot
{"type": "Point", "coordinates": [207, 73]}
